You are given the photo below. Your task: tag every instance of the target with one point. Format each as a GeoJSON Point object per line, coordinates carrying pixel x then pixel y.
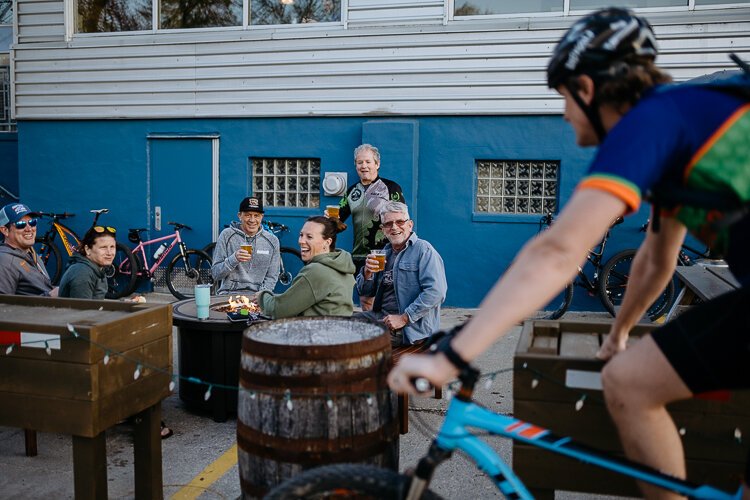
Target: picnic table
{"type": "Point", "coordinates": [701, 283]}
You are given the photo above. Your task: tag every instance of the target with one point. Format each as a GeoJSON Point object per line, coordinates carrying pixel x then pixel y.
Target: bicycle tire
{"type": "Point", "coordinates": [125, 277]}
{"type": "Point", "coordinates": [50, 256]}
{"type": "Point", "coordinates": [561, 303]}
{"type": "Point", "coordinates": [345, 481]}
{"type": "Point", "coordinates": [209, 249]}
{"type": "Point", "coordinates": [290, 264]}
{"type": "Point", "coordinates": [180, 283]}
{"type": "Point", "coordinates": [613, 282]}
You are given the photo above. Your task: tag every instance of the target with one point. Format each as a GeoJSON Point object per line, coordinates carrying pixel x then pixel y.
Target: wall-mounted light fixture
{"type": "Point", "coordinates": [334, 183]}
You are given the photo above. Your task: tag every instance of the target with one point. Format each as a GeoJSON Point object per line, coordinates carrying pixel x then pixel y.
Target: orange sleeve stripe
{"type": "Point", "coordinates": [715, 137]}
{"type": "Point", "coordinates": [631, 197]}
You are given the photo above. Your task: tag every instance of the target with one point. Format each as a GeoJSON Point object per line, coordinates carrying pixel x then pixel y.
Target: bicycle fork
{"type": "Point", "coordinates": [426, 467]}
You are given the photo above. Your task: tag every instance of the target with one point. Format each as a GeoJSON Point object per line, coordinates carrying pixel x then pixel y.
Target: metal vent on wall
{"type": "Point", "coordinates": [287, 182]}
{"type": "Point", "coordinates": [516, 186]}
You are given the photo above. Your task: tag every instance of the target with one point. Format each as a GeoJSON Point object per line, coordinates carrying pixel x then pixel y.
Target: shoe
{"type": "Point", "coordinates": [166, 432]}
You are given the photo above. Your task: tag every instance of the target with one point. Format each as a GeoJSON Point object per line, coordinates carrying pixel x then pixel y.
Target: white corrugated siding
{"type": "Point", "coordinates": [471, 67]}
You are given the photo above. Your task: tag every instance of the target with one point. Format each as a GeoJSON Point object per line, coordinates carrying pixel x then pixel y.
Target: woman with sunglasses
{"type": "Point", "coordinates": [86, 277]}
{"type": "Point", "coordinates": [324, 285]}
{"type": "Point", "coordinates": [21, 272]}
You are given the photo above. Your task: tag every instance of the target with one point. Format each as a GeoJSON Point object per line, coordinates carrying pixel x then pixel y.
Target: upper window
{"type": "Point", "coordinates": [6, 11]}
{"type": "Point", "coordinates": [497, 7]}
{"type": "Point", "coordinates": [102, 16]}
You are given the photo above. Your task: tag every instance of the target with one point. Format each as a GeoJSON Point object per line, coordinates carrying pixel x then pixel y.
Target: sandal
{"type": "Point", "coordinates": [166, 432]}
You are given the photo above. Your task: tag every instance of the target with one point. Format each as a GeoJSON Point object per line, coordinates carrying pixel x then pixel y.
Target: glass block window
{"type": "Point", "coordinates": [287, 182]}
{"type": "Point", "coordinates": [516, 186]}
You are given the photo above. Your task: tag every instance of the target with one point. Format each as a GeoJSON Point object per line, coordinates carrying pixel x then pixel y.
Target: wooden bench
{"type": "Point", "coordinates": [403, 399]}
{"type": "Point", "coordinates": [701, 283]}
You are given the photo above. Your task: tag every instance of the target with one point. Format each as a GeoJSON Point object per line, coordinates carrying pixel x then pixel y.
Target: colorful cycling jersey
{"type": "Point", "coordinates": [363, 203]}
{"type": "Point", "coordinates": [686, 136]}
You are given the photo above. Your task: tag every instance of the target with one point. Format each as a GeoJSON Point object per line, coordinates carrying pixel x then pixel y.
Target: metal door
{"type": "Point", "coordinates": [183, 186]}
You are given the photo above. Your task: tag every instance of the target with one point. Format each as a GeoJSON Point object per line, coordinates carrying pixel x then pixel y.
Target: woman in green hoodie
{"type": "Point", "coordinates": [324, 285]}
{"type": "Point", "coordinates": [85, 277]}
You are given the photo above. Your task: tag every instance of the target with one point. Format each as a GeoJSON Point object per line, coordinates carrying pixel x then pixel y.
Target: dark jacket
{"type": "Point", "coordinates": [83, 280]}
{"type": "Point", "coordinates": [21, 273]}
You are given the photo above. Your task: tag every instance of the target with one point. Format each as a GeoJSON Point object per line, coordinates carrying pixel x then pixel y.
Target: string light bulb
{"type": "Point", "coordinates": [682, 431]}
{"type": "Point", "coordinates": [534, 383]}
{"type": "Point", "coordinates": [72, 330]}
{"type": "Point", "coordinates": [106, 358]}
{"type": "Point", "coordinates": [738, 435]}
{"type": "Point", "coordinates": [288, 398]}
{"type": "Point", "coordinates": [47, 348]}
{"type": "Point", "coordinates": [137, 372]}
{"type": "Point", "coordinates": [207, 395]}
{"type": "Point", "coordinates": [9, 349]}
{"type": "Point", "coordinates": [369, 400]}
{"type": "Point", "coordinates": [329, 402]}
{"type": "Point", "coordinates": [579, 403]}
{"type": "Point", "coordinates": [252, 394]}
{"type": "Point", "coordinates": [172, 384]}
{"type": "Point", "coordinates": [488, 383]}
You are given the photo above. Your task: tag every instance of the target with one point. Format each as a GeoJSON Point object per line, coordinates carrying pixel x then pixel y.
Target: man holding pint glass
{"type": "Point", "coordinates": [407, 279]}
{"type": "Point", "coordinates": [246, 257]}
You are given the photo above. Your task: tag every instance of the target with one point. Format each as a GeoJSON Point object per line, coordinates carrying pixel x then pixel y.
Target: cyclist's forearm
{"type": "Point", "coordinates": [652, 268]}
{"type": "Point", "coordinates": [542, 268]}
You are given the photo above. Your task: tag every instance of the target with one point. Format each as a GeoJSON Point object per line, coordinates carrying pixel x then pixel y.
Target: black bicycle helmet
{"type": "Point", "coordinates": [595, 44]}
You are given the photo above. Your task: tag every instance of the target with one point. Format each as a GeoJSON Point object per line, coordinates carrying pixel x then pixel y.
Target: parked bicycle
{"type": "Point", "coordinates": [464, 424]}
{"type": "Point", "coordinates": [291, 259]}
{"type": "Point", "coordinates": [608, 281]}
{"type": "Point", "coordinates": [51, 252]}
{"type": "Point", "coordinates": [188, 268]}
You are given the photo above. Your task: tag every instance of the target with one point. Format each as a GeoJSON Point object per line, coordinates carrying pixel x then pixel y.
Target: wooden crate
{"type": "Point", "coordinates": [72, 391]}
{"type": "Point", "coordinates": [559, 355]}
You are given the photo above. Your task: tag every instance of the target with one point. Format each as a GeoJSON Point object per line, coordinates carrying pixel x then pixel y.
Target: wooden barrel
{"type": "Point", "coordinates": [313, 391]}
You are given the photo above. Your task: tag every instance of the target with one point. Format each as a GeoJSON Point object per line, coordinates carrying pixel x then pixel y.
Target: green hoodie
{"type": "Point", "coordinates": [83, 280]}
{"type": "Point", "coordinates": [322, 288]}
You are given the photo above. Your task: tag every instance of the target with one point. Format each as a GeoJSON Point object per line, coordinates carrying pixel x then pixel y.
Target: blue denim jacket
{"type": "Point", "coordinates": [420, 285]}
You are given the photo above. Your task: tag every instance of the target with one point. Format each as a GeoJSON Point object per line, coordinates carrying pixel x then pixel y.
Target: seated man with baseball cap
{"type": "Point", "coordinates": [246, 257]}
{"type": "Point", "coordinates": [21, 272]}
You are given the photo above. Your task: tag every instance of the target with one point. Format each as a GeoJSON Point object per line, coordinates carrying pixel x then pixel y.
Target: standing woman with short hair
{"type": "Point", "coordinates": [85, 278]}
{"type": "Point", "coordinates": [324, 285]}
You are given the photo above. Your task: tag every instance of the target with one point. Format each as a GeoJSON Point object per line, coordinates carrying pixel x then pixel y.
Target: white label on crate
{"type": "Point", "coordinates": [40, 340]}
{"type": "Point", "coordinates": [579, 379]}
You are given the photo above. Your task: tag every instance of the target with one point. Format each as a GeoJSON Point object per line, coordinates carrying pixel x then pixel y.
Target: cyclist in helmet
{"type": "Point", "coordinates": [652, 138]}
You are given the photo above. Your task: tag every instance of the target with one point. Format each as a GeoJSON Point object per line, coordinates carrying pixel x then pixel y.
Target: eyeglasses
{"type": "Point", "coordinates": [399, 223]}
{"type": "Point", "coordinates": [21, 224]}
{"type": "Point", "coordinates": [101, 229]}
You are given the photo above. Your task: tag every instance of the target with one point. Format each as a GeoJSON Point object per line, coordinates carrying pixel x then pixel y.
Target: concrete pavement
{"type": "Point", "coordinates": [199, 461]}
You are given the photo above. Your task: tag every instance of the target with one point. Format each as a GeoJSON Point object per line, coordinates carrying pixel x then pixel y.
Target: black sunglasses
{"type": "Point", "coordinates": [21, 224]}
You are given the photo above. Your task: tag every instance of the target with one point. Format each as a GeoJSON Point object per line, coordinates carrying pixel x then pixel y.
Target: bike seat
{"type": "Point", "coordinates": [276, 227]}
{"type": "Point", "coordinates": [177, 225]}
{"type": "Point", "coordinates": [100, 211]}
{"type": "Point", "coordinates": [134, 234]}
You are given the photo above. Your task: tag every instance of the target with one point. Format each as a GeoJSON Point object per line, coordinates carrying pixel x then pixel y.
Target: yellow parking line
{"type": "Point", "coordinates": [208, 476]}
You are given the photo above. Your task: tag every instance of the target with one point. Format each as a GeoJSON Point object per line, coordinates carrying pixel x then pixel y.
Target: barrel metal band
{"type": "Point", "coordinates": [371, 378]}
{"type": "Point", "coordinates": [310, 451]}
{"type": "Point", "coordinates": [316, 352]}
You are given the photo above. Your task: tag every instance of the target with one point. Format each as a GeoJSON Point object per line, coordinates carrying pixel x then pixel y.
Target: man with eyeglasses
{"type": "Point", "coordinates": [409, 291]}
{"type": "Point", "coordinates": [21, 272]}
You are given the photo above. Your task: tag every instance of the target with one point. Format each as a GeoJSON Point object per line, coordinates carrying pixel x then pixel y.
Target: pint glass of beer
{"type": "Point", "coordinates": [378, 255]}
{"type": "Point", "coordinates": [247, 248]}
{"type": "Point", "coordinates": [332, 211]}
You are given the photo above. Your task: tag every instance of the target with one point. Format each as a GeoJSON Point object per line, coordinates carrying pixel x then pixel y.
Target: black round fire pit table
{"type": "Point", "coordinates": [210, 351]}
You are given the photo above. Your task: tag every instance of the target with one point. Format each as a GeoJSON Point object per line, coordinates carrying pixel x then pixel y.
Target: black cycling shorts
{"type": "Point", "coordinates": [709, 345]}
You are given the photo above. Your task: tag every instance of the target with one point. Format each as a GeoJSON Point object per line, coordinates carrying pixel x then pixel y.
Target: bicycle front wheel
{"type": "Point", "coordinates": [49, 254]}
{"type": "Point", "coordinates": [560, 304]}
{"type": "Point", "coordinates": [614, 281]}
{"type": "Point", "coordinates": [345, 481]}
{"type": "Point", "coordinates": [182, 275]}
{"type": "Point", "coordinates": [122, 276]}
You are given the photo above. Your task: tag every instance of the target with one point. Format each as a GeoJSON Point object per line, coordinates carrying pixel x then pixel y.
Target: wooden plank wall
{"type": "Point", "coordinates": [388, 58]}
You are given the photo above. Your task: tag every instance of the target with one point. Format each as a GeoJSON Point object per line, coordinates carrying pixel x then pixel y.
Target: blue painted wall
{"type": "Point", "coordinates": [9, 163]}
{"type": "Point", "coordinates": [76, 166]}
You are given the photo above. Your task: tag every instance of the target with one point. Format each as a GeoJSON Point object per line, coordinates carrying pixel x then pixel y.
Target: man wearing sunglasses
{"type": "Point", "coordinates": [21, 272]}
{"type": "Point", "coordinates": [409, 291]}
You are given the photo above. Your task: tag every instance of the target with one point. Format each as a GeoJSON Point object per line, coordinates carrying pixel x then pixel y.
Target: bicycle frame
{"type": "Point", "coordinates": [463, 413]}
{"type": "Point", "coordinates": [68, 237]}
{"type": "Point", "coordinates": [141, 247]}
{"type": "Point", "coordinates": [594, 257]}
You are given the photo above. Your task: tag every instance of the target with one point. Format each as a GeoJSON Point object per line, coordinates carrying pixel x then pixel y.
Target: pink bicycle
{"type": "Point", "coordinates": [188, 268]}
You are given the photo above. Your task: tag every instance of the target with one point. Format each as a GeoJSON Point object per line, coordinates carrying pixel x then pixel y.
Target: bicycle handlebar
{"type": "Point", "coordinates": [52, 215]}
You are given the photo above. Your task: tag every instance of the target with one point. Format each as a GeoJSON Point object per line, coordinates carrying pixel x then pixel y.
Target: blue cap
{"type": "Point", "coordinates": [13, 212]}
